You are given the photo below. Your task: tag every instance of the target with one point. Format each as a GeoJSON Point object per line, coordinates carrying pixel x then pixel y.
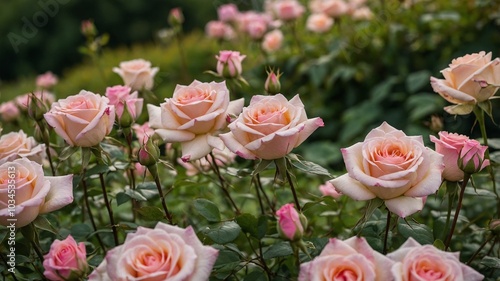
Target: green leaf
{"type": "Point", "coordinates": [261, 226]}
{"type": "Point", "coordinates": [382, 90]}
{"type": "Point", "coordinates": [280, 249]}
{"type": "Point", "coordinates": [226, 261]}
{"type": "Point", "coordinates": [248, 224]}
{"type": "Point", "coordinates": [491, 262]}
{"type": "Point", "coordinates": [420, 232]}
{"type": "Point", "coordinates": [149, 185]}
{"type": "Point", "coordinates": [438, 243]}
{"type": "Point", "coordinates": [98, 169]}
{"type": "Point", "coordinates": [151, 213]}
{"type": "Point", "coordinates": [207, 209]}
{"type": "Point", "coordinates": [67, 152]}
{"type": "Point", "coordinates": [308, 167]}
{"type": "Point", "coordinates": [223, 233]}
{"type": "Point", "coordinates": [42, 222]}
{"type": "Point", "coordinates": [80, 231]}
{"type": "Point", "coordinates": [263, 164]}
{"type": "Point", "coordinates": [423, 104]}
{"type": "Point", "coordinates": [257, 275]}
{"type": "Point", "coordinates": [417, 80]}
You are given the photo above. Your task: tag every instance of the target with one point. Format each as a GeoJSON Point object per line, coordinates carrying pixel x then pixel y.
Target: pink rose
{"type": "Point", "coordinates": [18, 145]}
{"type": "Point", "coordinates": [219, 30]}
{"type": "Point", "coordinates": [175, 17]}
{"type": "Point", "coordinates": [194, 117]}
{"type": "Point", "coordinates": [66, 260]}
{"type": "Point", "coordinates": [34, 193]}
{"type": "Point", "coordinates": [137, 74]}
{"type": "Point", "coordinates": [143, 132]}
{"type": "Point", "coordinates": [83, 119]}
{"type": "Point", "coordinates": [229, 63]}
{"type": "Point", "coordinates": [417, 262]}
{"type": "Point", "coordinates": [228, 12]}
{"type": "Point", "coordinates": [334, 8]}
{"type": "Point", "coordinates": [464, 81]}
{"type": "Point", "coordinates": [288, 10]}
{"type": "Point", "coordinates": [9, 111]}
{"type": "Point", "coordinates": [254, 24]}
{"type": "Point", "coordinates": [352, 259]}
{"type": "Point", "coordinates": [46, 80]}
{"type": "Point", "coordinates": [164, 253]}
{"type": "Point", "coordinates": [272, 41]}
{"type": "Point", "coordinates": [327, 189]}
{"type": "Point", "coordinates": [471, 159]}
{"type": "Point", "coordinates": [119, 96]}
{"type": "Point", "coordinates": [270, 127]}
{"type": "Point", "coordinates": [290, 224]}
{"type": "Point", "coordinates": [319, 23]}
{"type": "Point", "coordinates": [391, 166]}
{"type": "Point", "coordinates": [449, 145]}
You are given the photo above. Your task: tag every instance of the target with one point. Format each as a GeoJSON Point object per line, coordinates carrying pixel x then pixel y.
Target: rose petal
{"type": "Point", "coordinates": [352, 188]}
{"type": "Point", "coordinates": [404, 206]}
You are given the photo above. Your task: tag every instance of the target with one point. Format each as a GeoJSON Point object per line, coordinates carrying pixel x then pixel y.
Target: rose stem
{"type": "Point", "coordinates": [292, 187]}
{"type": "Point", "coordinates": [153, 169]}
{"type": "Point", "coordinates": [45, 137]}
{"type": "Point", "coordinates": [457, 211]}
{"type": "Point", "coordinates": [448, 214]}
{"type": "Point", "coordinates": [128, 137]}
{"type": "Point", "coordinates": [91, 217]}
{"type": "Point", "coordinates": [108, 207]}
{"type": "Point", "coordinates": [215, 167]}
{"type": "Point", "coordinates": [254, 180]}
{"type": "Point", "coordinates": [480, 119]}
{"type": "Point", "coordinates": [387, 227]}
{"type": "Point", "coordinates": [264, 193]}
{"type": "Point", "coordinates": [480, 248]}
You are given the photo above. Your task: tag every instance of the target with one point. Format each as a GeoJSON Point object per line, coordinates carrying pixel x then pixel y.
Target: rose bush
{"type": "Point", "coordinates": [270, 127]}
{"type": "Point", "coordinates": [391, 166]}
{"type": "Point", "coordinates": [83, 119]}
{"type": "Point", "coordinates": [164, 253]}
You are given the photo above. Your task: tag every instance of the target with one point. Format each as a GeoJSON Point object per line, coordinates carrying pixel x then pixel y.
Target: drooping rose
{"type": "Point", "coordinates": [66, 260]}
{"type": "Point", "coordinates": [449, 145]}
{"type": "Point", "coordinates": [18, 145]}
{"type": "Point", "coordinates": [119, 96]}
{"type": "Point", "coordinates": [270, 127]}
{"type": "Point", "coordinates": [272, 41]}
{"type": "Point", "coordinates": [465, 79]}
{"type": "Point", "coordinates": [417, 262]}
{"type": "Point", "coordinates": [471, 159]}
{"type": "Point", "coordinates": [46, 80]}
{"type": "Point", "coordinates": [34, 193]}
{"type": "Point", "coordinates": [290, 223]}
{"type": "Point", "coordinates": [391, 166]}
{"type": "Point", "coordinates": [319, 23]}
{"type": "Point", "coordinates": [229, 63]}
{"type": "Point", "coordinates": [194, 117]}
{"type": "Point", "coordinates": [83, 119]}
{"type": "Point", "coordinates": [9, 111]}
{"type": "Point", "coordinates": [352, 259]}
{"type": "Point", "coordinates": [137, 74]}
{"type": "Point", "coordinates": [164, 253]}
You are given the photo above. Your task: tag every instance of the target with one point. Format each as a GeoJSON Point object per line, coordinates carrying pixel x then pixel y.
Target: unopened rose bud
{"type": "Point", "coordinates": [272, 85]}
{"type": "Point", "coordinates": [36, 108]}
{"type": "Point", "coordinates": [229, 64]}
{"type": "Point", "coordinates": [149, 153]}
{"type": "Point", "coordinates": [125, 120]}
{"type": "Point", "coordinates": [175, 17]}
{"type": "Point", "coordinates": [471, 159]}
{"type": "Point", "coordinates": [88, 28]}
{"type": "Point", "coordinates": [291, 224]}
{"type": "Point", "coordinates": [436, 124]}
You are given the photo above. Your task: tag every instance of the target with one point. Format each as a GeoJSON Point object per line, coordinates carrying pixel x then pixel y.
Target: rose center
{"type": "Point", "coordinates": [428, 271]}
{"type": "Point", "coordinates": [345, 275]}
{"type": "Point", "coordinates": [191, 96]}
{"type": "Point", "coordinates": [270, 114]}
{"type": "Point", "coordinates": [392, 154]}
{"type": "Point", "coordinates": [79, 103]}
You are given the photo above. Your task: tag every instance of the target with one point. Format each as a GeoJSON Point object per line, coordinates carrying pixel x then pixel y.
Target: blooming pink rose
{"type": "Point", "coordinates": [290, 224]}
{"type": "Point", "coordinates": [66, 260]}
{"type": "Point", "coordinates": [219, 30]}
{"type": "Point", "coordinates": [327, 189]}
{"type": "Point", "coordinates": [228, 12]}
{"type": "Point", "coordinates": [194, 117]}
{"type": "Point", "coordinates": [272, 41]}
{"type": "Point", "coordinates": [471, 159]}
{"type": "Point", "coordinates": [319, 23]}
{"type": "Point", "coordinates": [464, 81]}
{"type": "Point", "coordinates": [175, 17]}
{"type": "Point", "coordinates": [254, 24]}
{"type": "Point", "coordinates": [18, 145]}
{"type": "Point", "coordinates": [229, 63]}
{"type": "Point", "coordinates": [164, 253]}
{"type": "Point", "coordinates": [288, 10]}
{"type": "Point", "coordinates": [137, 74]}
{"type": "Point", "coordinates": [352, 259]}
{"type": "Point", "coordinates": [34, 193]}
{"type": "Point", "coordinates": [417, 262]}
{"type": "Point", "coordinates": [334, 8]}
{"type": "Point", "coordinates": [450, 144]}
{"type": "Point", "coordinates": [121, 95]}
{"type": "Point", "coordinates": [391, 166]}
{"type": "Point", "coordinates": [83, 119]}
{"type": "Point", "coordinates": [9, 111]}
{"type": "Point", "coordinates": [362, 13]}
{"type": "Point", "coordinates": [143, 132]}
{"type": "Point", "coordinates": [270, 127]}
{"type": "Point", "coordinates": [46, 80]}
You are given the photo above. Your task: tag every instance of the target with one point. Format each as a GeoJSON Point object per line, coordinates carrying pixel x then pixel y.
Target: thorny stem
{"type": "Point", "coordinates": [222, 181]}
{"type": "Point", "coordinates": [110, 210]}
{"type": "Point", "coordinates": [457, 211]}
{"type": "Point", "coordinates": [292, 187]}
{"type": "Point", "coordinates": [153, 169]}
{"type": "Point", "coordinates": [387, 227]}
{"type": "Point", "coordinates": [259, 184]}
{"type": "Point", "coordinates": [91, 217]}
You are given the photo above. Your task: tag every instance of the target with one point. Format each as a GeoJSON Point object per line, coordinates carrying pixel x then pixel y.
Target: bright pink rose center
{"type": "Point", "coordinates": [65, 256]}
{"type": "Point", "coordinates": [192, 95]}
{"type": "Point", "coordinates": [271, 114]}
{"type": "Point", "coordinates": [345, 275]}
{"type": "Point", "coordinates": [428, 271]}
{"type": "Point", "coordinates": [391, 153]}
{"type": "Point", "coordinates": [151, 262]}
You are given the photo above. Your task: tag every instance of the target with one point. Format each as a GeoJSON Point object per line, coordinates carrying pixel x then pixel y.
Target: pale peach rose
{"type": "Point", "coordinates": [24, 100]}
{"type": "Point", "coordinates": [164, 253]}
{"type": "Point", "coordinates": [288, 10]}
{"type": "Point", "coordinates": [9, 111]}
{"type": "Point", "coordinates": [449, 145]}
{"type": "Point", "coordinates": [229, 63]}
{"type": "Point", "coordinates": [194, 116]}
{"type": "Point", "coordinates": [66, 260]}
{"type": "Point", "coordinates": [327, 189]}
{"type": "Point", "coordinates": [222, 158]}
{"type": "Point", "coordinates": [392, 166]}
{"type": "Point", "coordinates": [83, 119]}
{"type": "Point", "coordinates": [228, 12]}
{"type": "Point", "coordinates": [468, 80]}
{"type": "Point", "coordinates": [334, 8]}
{"type": "Point", "coordinates": [352, 259]}
{"type": "Point", "coordinates": [362, 13]}
{"type": "Point", "coordinates": [270, 127]}
{"type": "Point", "coordinates": [272, 41]}
{"type": "Point", "coordinates": [46, 80]}
{"type": "Point", "coordinates": [18, 145]}
{"type": "Point", "coordinates": [417, 262]}
{"type": "Point", "coordinates": [219, 30]}
{"type": "Point", "coordinates": [137, 74]}
{"type": "Point", "coordinates": [34, 193]}
{"type": "Point", "coordinates": [319, 23]}
{"type": "Point", "coordinates": [119, 96]}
